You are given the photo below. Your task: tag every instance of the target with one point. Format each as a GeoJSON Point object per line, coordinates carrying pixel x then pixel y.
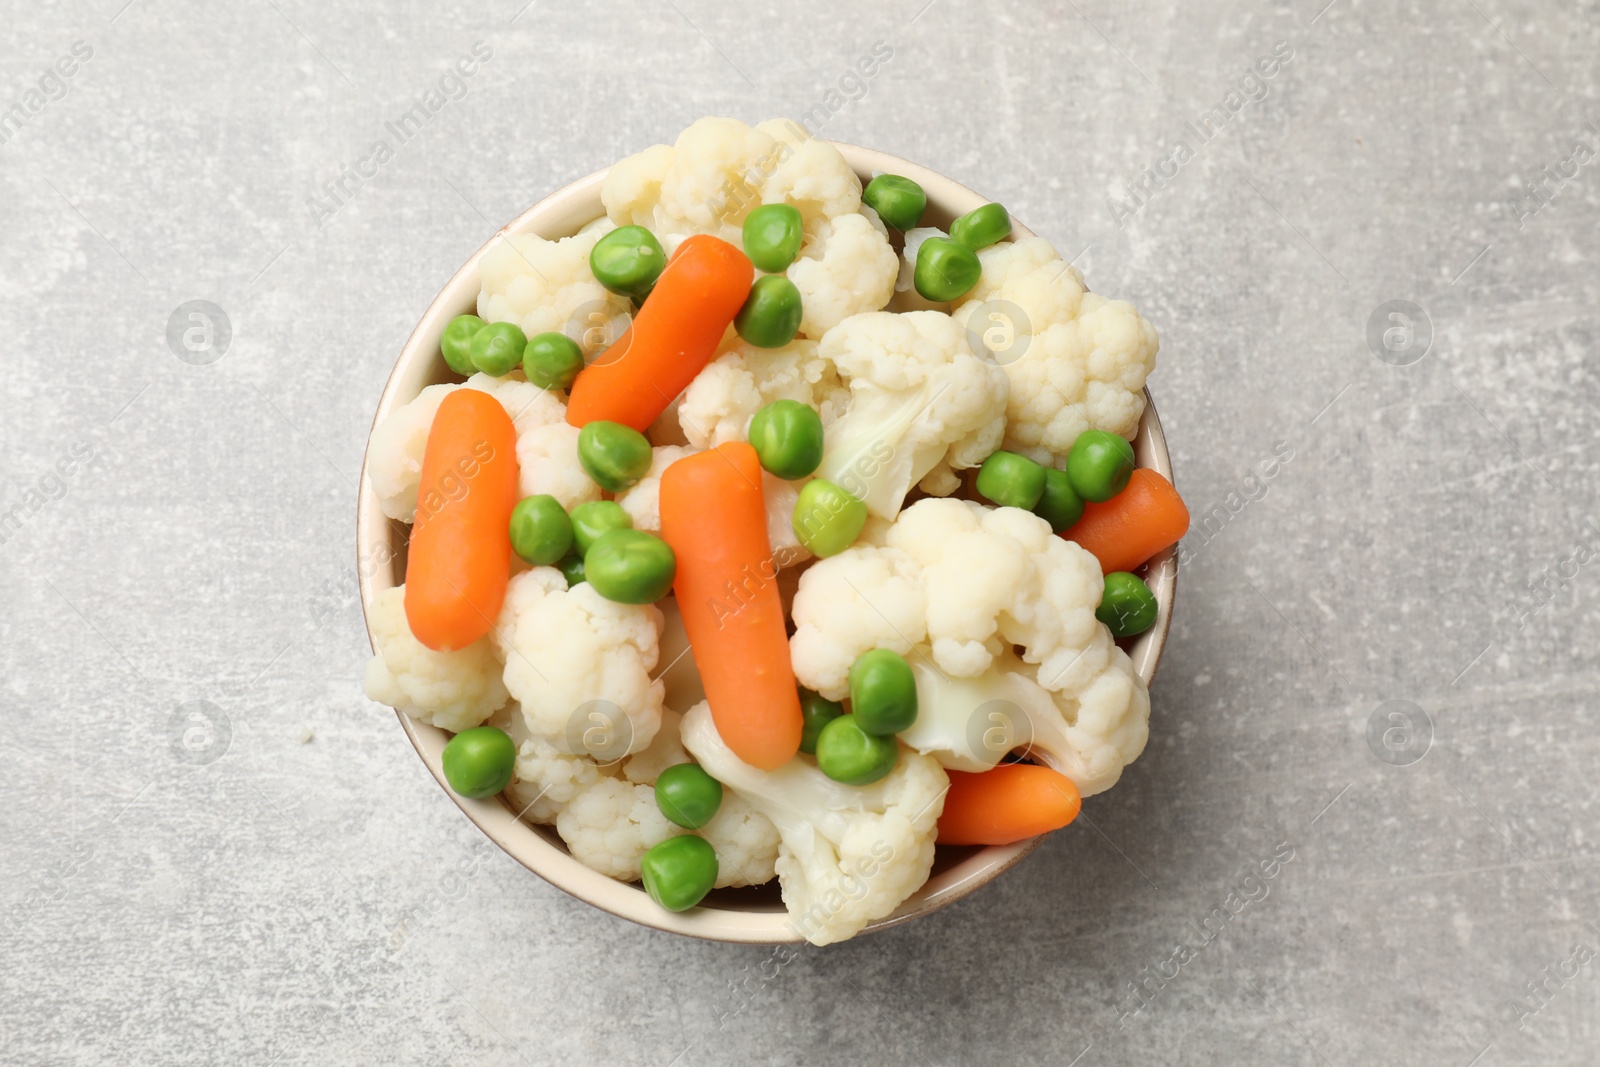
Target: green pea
{"type": "Point", "coordinates": [572, 571]}
{"type": "Point", "coordinates": [898, 201]}
{"type": "Point", "coordinates": [630, 567]}
{"type": "Point", "coordinates": [981, 227]}
{"type": "Point", "coordinates": [1099, 465]}
{"type": "Point", "coordinates": [593, 520]}
{"type": "Point", "coordinates": [628, 260]}
{"type": "Point", "coordinates": [945, 270]}
{"type": "Point", "coordinates": [770, 316]}
{"type": "Point", "coordinates": [479, 762]}
{"type": "Point", "coordinates": [772, 236]}
{"type": "Point", "coordinates": [827, 519]}
{"type": "Point", "coordinates": [687, 795]}
{"type": "Point", "coordinates": [847, 754]}
{"type": "Point", "coordinates": [787, 437]}
{"type": "Point", "coordinates": [1127, 606]}
{"type": "Point", "coordinates": [497, 348]}
{"type": "Point", "coordinates": [1059, 504]}
{"type": "Point", "coordinates": [679, 872]}
{"type": "Point", "coordinates": [551, 360]}
{"type": "Point", "coordinates": [456, 344]}
{"type": "Point", "coordinates": [614, 455]}
{"type": "Point", "coordinates": [541, 532]}
{"type": "Point", "coordinates": [1010, 480]}
{"type": "Point", "coordinates": [816, 712]}
{"type": "Point", "coordinates": [883, 692]}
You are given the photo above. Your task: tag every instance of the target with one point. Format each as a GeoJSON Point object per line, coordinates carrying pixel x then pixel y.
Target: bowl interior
{"type": "Point", "coordinates": [753, 915]}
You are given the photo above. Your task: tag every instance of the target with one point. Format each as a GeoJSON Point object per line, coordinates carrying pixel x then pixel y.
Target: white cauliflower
{"type": "Point", "coordinates": [612, 824]}
{"type": "Point", "coordinates": [921, 407]}
{"type": "Point", "coordinates": [394, 456]}
{"type": "Point", "coordinates": [953, 586]}
{"type": "Point", "coordinates": [545, 286]}
{"type": "Point", "coordinates": [642, 500]}
{"type": "Point", "coordinates": [545, 779]}
{"type": "Point", "coordinates": [717, 406]}
{"type": "Point", "coordinates": [1076, 360]}
{"type": "Point", "coordinates": [665, 750]}
{"type": "Point", "coordinates": [719, 169]}
{"type": "Point", "coordinates": [547, 462]}
{"type": "Point", "coordinates": [850, 855]}
{"type": "Point", "coordinates": [452, 690]}
{"type": "Point", "coordinates": [845, 268]}
{"type": "Point", "coordinates": [678, 672]}
{"type": "Point", "coordinates": [580, 664]}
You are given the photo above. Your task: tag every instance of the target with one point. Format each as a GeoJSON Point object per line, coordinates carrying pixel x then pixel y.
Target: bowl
{"type": "Point", "coordinates": [751, 915]}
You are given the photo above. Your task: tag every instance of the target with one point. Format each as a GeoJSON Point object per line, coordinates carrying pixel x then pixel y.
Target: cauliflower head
{"type": "Point", "coordinates": [547, 286]}
{"type": "Point", "coordinates": [642, 499]}
{"type": "Point", "coordinates": [922, 406]}
{"type": "Point", "coordinates": [1076, 360]}
{"type": "Point", "coordinates": [452, 690]}
{"type": "Point", "coordinates": [718, 405]}
{"type": "Point", "coordinates": [849, 854]}
{"type": "Point", "coordinates": [845, 268]}
{"type": "Point", "coordinates": [580, 665]}
{"type": "Point", "coordinates": [544, 780]}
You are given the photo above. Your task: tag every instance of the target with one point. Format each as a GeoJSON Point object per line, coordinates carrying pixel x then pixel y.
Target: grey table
{"type": "Point", "coordinates": [1382, 683]}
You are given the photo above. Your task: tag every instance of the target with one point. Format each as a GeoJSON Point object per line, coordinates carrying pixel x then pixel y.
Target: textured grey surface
{"type": "Point", "coordinates": [309, 896]}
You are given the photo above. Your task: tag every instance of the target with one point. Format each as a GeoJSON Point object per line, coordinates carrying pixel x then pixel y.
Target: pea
{"type": "Point", "coordinates": [846, 754]}
{"type": "Point", "coordinates": [945, 270]}
{"type": "Point", "coordinates": [478, 762]}
{"type": "Point", "coordinates": [1099, 465]}
{"type": "Point", "coordinates": [628, 260]}
{"type": "Point", "coordinates": [630, 567]}
{"type": "Point", "coordinates": [1060, 504]}
{"type": "Point", "coordinates": [679, 872]}
{"type": "Point", "coordinates": [787, 437]}
{"type": "Point", "coordinates": [981, 227]}
{"type": "Point", "coordinates": [827, 519]}
{"type": "Point", "coordinates": [572, 571]}
{"type": "Point", "coordinates": [816, 712]}
{"type": "Point", "coordinates": [883, 692]}
{"type": "Point", "coordinates": [541, 532]}
{"type": "Point", "coordinates": [770, 316]}
{"type": "Point", "coordinates": [614, 455]}
{"type": "Point", "coordinates": [898, 201]}
{"type": "Point", "coordinates": [772, 236]}
{"type": "Point", "coordinates": [551, 360]}
{"type": "Point", "coordinates": [687, 795]}
{"type": "Point", "coordinates": [592, 520]}
{"type": "Point", "coordinates": [1010, 480]}
{"type": "Point", "coordinates": [497, 348]}
{"type": "Point", "coordinates": [456, 344]}
{"type": "Point", "coordinates": [1127, 606]}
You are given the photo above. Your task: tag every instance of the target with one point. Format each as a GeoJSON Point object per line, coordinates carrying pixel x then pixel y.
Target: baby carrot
{"type": "Point", "coordinates": [714, 517]}
{"type": "Point", "coordinates": [460, 555]}
{"type": "Point", "coordinates": [672, 338]}
{"type": "Point", "coordinates": [1009, 803]}
{"type": "Point", "coordinates": [1134, 525]}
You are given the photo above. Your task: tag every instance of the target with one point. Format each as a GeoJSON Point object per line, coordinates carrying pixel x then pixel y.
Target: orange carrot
{"type": "Point", "coordinates": [672, 338]}
{"type": "Point", "coordinates": [1011, 802]}
{"type": "Point", "coordinates": [1134, 525]}
{"type": "Point", "coordinates": [460, 554]}
{"type": "Point", "coordinates": [715, 518]}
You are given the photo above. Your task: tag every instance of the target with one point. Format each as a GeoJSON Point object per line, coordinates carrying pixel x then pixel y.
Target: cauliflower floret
{"type": "Point", "coordinates": [394, 456]}
{"type": "Point", "coordinates": [666, 750]}
{"type": "Point", "coordinates": [921, 407]}
{"type": "Point", "coordinates": [545, 286]}
{"type": "Point", "coordinates": [718, 404]}
{"type": "Point", "coordinates": [547, 462]}
{"type": "Point", "coordinates": [679, 673]}
{"type": "Point", "coordinates": [719, 169]}
{"type": "Point", "coordinates": [452, 690]}
{"type": "Point", "coordinates": [953, 586]}
{"type": "Point", "coordinates": [1076, 360]}
{"type": "Point", "coordinates": [849, 855]}
{"type": "Point", "coordinates": [642, 500]}
{"type": "Point", "coordinates": [611, 825]}
{"type": "Point", "coordinates": [847, 267]}
{"type": "Point", "coordinates": [545, 779]}
{"type": "Point", "coordinates": [580, 664]}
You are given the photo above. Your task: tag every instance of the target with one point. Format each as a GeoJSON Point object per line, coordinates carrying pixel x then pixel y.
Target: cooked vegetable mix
{"type": "Point", "coordinates": [789, 588]}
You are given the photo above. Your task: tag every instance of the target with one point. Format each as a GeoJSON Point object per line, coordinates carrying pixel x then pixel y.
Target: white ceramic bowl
{"type": "Point", "coordinates": [754, 915]}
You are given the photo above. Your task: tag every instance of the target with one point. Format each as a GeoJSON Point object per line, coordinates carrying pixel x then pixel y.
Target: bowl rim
{"type": "Point", "coordinates": [419, 360]}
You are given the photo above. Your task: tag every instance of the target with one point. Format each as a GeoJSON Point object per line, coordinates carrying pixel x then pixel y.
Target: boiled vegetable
{"type": "Point", "coordinates": [883, 692]}
{"type": "Point", "coordinates": [816, 711]}
{"type": "Point", "coordinates": [945, 270]}
{"type": "Point", "coordinates": [772, 236]}
{"type": "Point", "coordinates": [541, 532]}
{"type": "Point", "coordinates": [456, 343]}
{"type": "Point", "coordinates": [787, 437]}
{"type": "Point", "coordinates": [1099, 465]}
{"type": "Point", "coordinates": [628, 260]}
{"type": "Point", "coordinates": [1127, 606]}
{"type": "Point", "coordinates": [595, 519]}
{"type": "Point", "coordinates": [1134, 525]}
{"type": "Point", "coordinates": [1012, 802]}
{"type": "Point", "coordinates": [847, 753]}
{"type": "Point", "coordinates": [771, 314]}
{"type": "Point", "coordinates": [981, 227]}
{"type": "Point", "coordinates": [1059, 504]}
{"type": "Point", "coordinates": [679, 872]}
{"type": "Point", "coordinates": [551, 360]}
{"type": "Point", "coordinates": [497, 348]}
{"type": "Point", "coordinates": [478, 762]}
{"type": "Point", "coordinates": [827, 519]}
{"type": "Point", "coordinates": [897, 200]}
{"type": "Point", "coordinates": [630, 567]}
{"type": "Point", "coordinates": [614, 455]}
{"type": "Point", "coordinates": [687, 795]}
{"type": "Point", "coordinates": [1011, 481]}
